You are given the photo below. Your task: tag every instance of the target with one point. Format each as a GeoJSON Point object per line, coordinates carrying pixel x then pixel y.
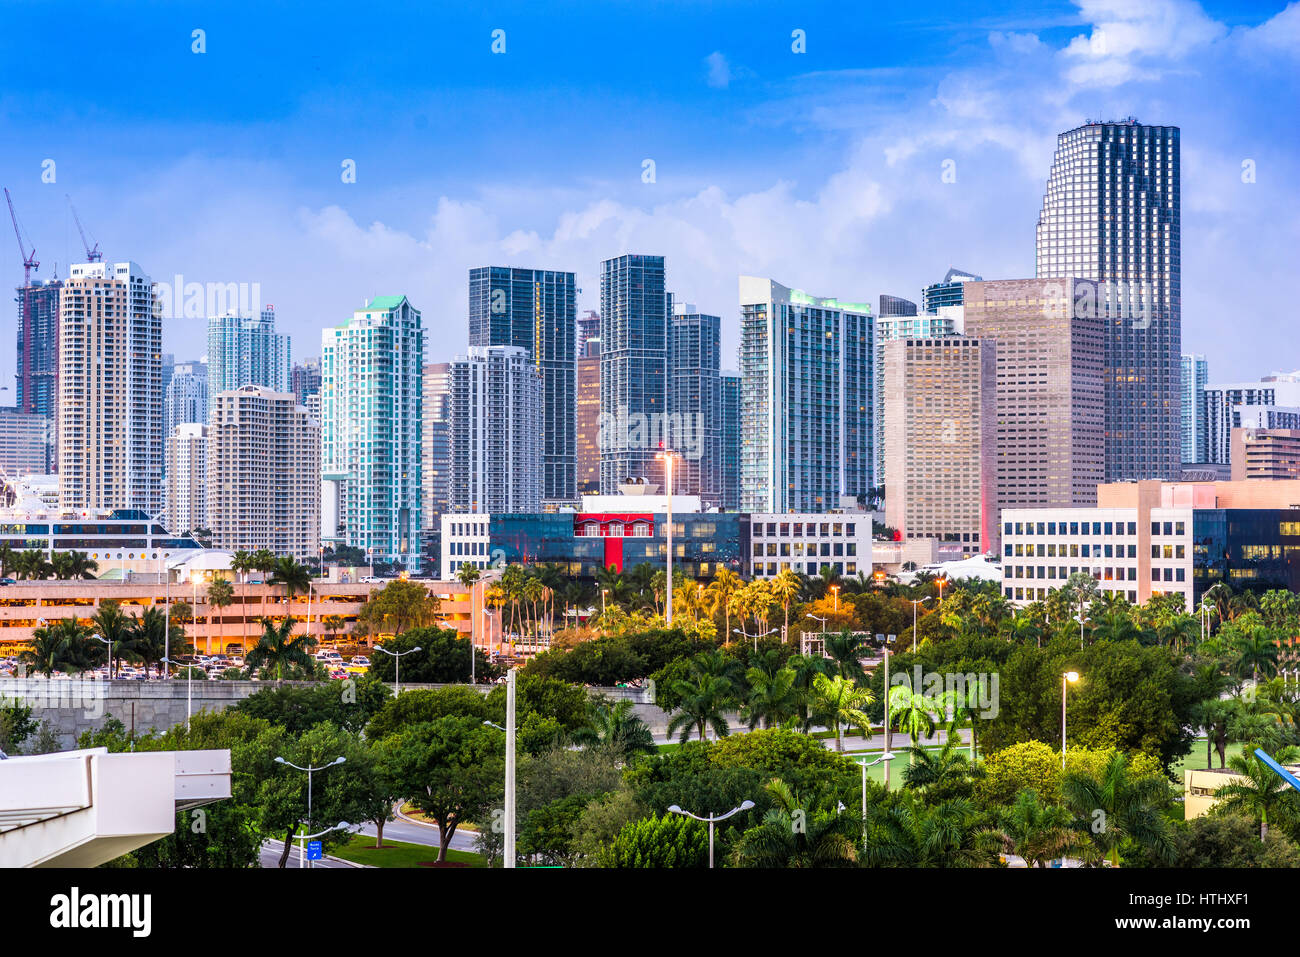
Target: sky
{"type": "Point", "coordinates": [822, 169]}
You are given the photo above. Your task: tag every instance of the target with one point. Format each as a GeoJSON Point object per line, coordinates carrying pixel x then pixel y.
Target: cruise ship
{"type": "Point", "coordinates": [120, 541]}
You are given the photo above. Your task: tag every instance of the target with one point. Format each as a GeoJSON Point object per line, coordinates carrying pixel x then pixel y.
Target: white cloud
{"type": "Point", "coordinates": [719, 70]}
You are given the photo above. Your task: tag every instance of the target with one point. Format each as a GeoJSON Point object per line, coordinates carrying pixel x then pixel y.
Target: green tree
{"type": "Point", "coordinates": [1038, 831]}
{"type": "Point", "coordinates": [1258, 790]}
{"type": "Point", "coordinates": [278, 647]}
{"type": "Point", "coordinates": [443, 658]}
{"type": "Point", "coordinates": [348, 705]}
{"type": "Point", "coordinates": [840, 701]}
{"type": "Point", "coordinates": [617, 726]}
{"type": "Point", "coordinates": [773, 698]}
{"type": "Point", "coordinates": [63, 646]}
{"type": "Point", "coordinates": [397, 608]}
{"type": "Point", "coordinates": [658, 842]}
{"type": "Point", "coordinates": [220, 595]}
{"type": "Point", "coordinates": [1122, 812]}
{"type": "Point", "coordinates": [799, 832]}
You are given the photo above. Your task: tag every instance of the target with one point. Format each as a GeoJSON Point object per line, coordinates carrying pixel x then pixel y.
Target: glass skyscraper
{"type": "Point", "coordinates": [1111, 212]}
{"type": "Point", "coordinates": [1196, 373]}
{"type": "Point", "coordinates": [695, 402]}
{"type": "Point", "coordinates": [371, 412]}
{"type": "Point", "coordinates": [807, 402]}
{"type": "Point", "coordinates": [536, 310]}
{"type": "Point", "coordinates": [243, 350]}
{"type": "Point", "coordinates": [730, 468]}
{"type": "Point", "coordinates": [634, 313]}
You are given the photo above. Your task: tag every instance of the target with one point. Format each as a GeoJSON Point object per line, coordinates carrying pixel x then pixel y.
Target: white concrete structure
{"type": "Point", "coordinates": [187, 477]}
{"type": "Point", "coordinates": [83, 808]}
{"type": "Point", "coordinates": [808, 543]}
{"type": "Point", "coordinates": [495, 415]}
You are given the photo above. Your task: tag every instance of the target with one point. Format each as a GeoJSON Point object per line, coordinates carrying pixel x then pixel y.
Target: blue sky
{"type": "Point", "coordinates": [821, 169]}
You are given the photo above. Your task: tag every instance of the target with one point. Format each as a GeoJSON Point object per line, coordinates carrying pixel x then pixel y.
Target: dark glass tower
{"type": "Point", "coordinates": [695, 402]}
{"type": "Point", "coordinates": [535, 309]}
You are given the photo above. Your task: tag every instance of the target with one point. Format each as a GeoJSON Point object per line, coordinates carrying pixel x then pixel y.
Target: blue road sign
{"type": "Point", "coordinates": [314, 851]}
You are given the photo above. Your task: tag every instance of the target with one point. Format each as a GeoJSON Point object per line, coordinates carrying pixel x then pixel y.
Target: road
{"type": "Point", "coordinates": [402, 829]}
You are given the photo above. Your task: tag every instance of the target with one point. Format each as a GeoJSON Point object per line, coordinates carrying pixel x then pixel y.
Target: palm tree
{"type": "Point", "coordinates": [703, 701]}
{"type": "Point", "coordinates": [806, 668]}
{"type": "Point", "coordinates": [220, 594]}
{"type": "Point", "coordinates": [912, 712]}
{"type": "Point", "coordinates": [73, 565]}
{"type": "Point", "coordinates": [1258, 789]}
{"type": "Point", "coordinates": [1257, 651]}
{"type": "Point", "coordinates": [264, 561]}
{"type": "Point", "coordinates": [467, 574]}
{"type": "Point", "coordinates": [785, 589]}
{"type": "Point", "coordinates": [840, 701]}
{"type": "Point", "coordinates": [1024, 629]}
{"type": "Point", "coordinates": [7, 558]}
{"type": "Point", "coordinates": [294, 577]}
{"type": "Point", "coordinates": [148, 638]}
{"type": "Point", "coordinates": [799, 833]}
{"type": "Point", "coordinates": [773, 698]}
{"type": "Point", "coordinates": [1036, 831]}
{"type": "Point", "coordinates": [1117, 808]}
{"type": "Point", "coordinates": [913, 834]}
{"type": "Point", "coordinates": [722, 591]}
{"type": "Point", "coordinates": [1116, 625]}
{"type": "Point", "coordinates": [278, 647]}
{"type": "Point", "coordinates": [845, 649]}
{"type": "Point", "coordinates": [940, 775]}
{"type": "Point", "coordinates": [115, 628]}
{"type": "Point", "coordinates": [32, 565]}
{"type": "Point", "coordinates": [61, 646]}
{"type": "Point", "coordinates": [1180, 630]}
{"type": "Point", "coordinates": [332, 624]}
{"type": "Point", "coordinates": [619, 728]}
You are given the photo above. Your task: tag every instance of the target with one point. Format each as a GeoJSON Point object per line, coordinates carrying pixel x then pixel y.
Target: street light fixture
{"type": "Point", "coordinates": [508, 851]}
{"type": "Point", "coordinates": [302, 839]}
{"type": "Point", "coordinates": [310, 770]}
{"type": "Point", "coordinates": [666, 456]}
{"type": "Point", "coordinates": [711, 819]}
{"type": "Point", "coordinates": [915, 602]}
{"type": "Point", "coordinates": [1067, 679]}
{"type": "Point", "coordinates": [741, 631]}
{"type": "Point", "coordinates": [99, 637]}
{"type": "Point", "coordinates": [397, 664]}
{"type": "Point", "coordinates": [864, 763]}
{"type": "Point", "coordinates": [189, 688]}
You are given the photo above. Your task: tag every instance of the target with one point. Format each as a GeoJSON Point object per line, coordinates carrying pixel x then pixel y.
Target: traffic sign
{"type": "Point", "coordinates": [314, 852]}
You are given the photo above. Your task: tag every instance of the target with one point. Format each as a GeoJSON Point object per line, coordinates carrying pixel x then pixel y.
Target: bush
{"type": "Point", "coordinates": [670, 841]}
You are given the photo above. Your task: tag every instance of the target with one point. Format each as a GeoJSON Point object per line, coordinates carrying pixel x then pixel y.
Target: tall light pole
{"type": "Point", "coordinates": [397, 663]}
{"type": "Point", "coordinates": [915, 602]}
{"type": "Point", "coordinates": [508, 851]}
{"type": "Point", "coordinates": [741, 631]}
{"type": "Point", "coordinates": [886, 757]}
{"type": "Point", "coordinates": [1067, 679]}
{"type": "Point", "coordinates": [167, 619]}
{"type": "Point", "coordinates": [302, 839]}
{"type": "Point", "coordinates": [1081, 620]}
{"type": "Point", "coordinates": [189, 689]}
{"type": "Point", "coordinates": [99, 637]}
{"type": "Point", "coordinates": [310, 770]}
{"type": "Point", "coordinates": [711, 819]}
{"type": "Point", "coordinates": [887, 731]}
{"type": "Point", "coordinates": [836, 590]}
{"type": "Point", "coordinates": [666, 456]}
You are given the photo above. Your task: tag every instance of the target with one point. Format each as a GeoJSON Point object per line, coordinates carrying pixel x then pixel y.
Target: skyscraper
{"type": "Point", "coordinates": [263, 480]}
{"type": "Point", "coordinates": [110, 390]}
{"type": "Point", "coordinates": [304, 379]}
{"type": "Point", "coordinates": [695, 403]}
{"type": "Point", "coordinates": [941, 440]}
{"type": "Point", "coordinates": [588, 328]}
{"type": "Point", "coordinates": [807, 399]}
{"type": "Point", "coordinates": [1196, 374]}
{"type": "Point", "coordinates": [588, 433]}
{"type": "Point", "coordinates": [731, 444]}
{"type": "Point", "coordinates": [186, 395]}
{"type": "Point", "coordinates": [496, 434]}
{"type": "Point", "coordinates": [634, 313]}
{"type": "Point", "coordinates": [26, 443]}
{"type": "Point", "coordinates": [38, 347]}
{"type": "Point", "coordinates": [1111, 212]}
{"type": "Point", "coordinates": [1271, 403]}
{"type": "Point", "coordinates": [243, 350]}
{"type": "Point", "coordinates": [436, 448]}
{"type": "Point", "coordinates": [1051, 448]}
{"type": "Point", "coordinates": [534, 309]}
{"type": "Point", "coordinates": [187, 478]}
{"type": "Point", "coordinates": [371, 408]}
{"type": "Point", "coordinates": [947, 291]}
{"type": "Point", "coordinates": [896, 306]}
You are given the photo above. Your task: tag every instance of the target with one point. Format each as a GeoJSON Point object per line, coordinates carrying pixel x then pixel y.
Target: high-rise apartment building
{"type": "Point", "coordinates": [1051, 447]}
{"type": "Point", "coordinates": [588, 430]}
{"type": "Point", "coordinates": [807, 402]}
{"type": "Point", "coordinates": [947, 291]}
{"type": "Point", "coordinates": [110, 389]}
{"type": "Point", "coordinates": [304, 379]}
{"type": "Point", "coordinates": [941, 440]}
{"type": "Point", "coordinates": [26, 443]}
{"type": "Point", "coordinates": [1271, 454]}
{"type": "Point", "coordinates": [1271, 403]}
{"type": "Point", "coordinates": [263, 482]}
{"type": "Point", "coordinates": [371, 410]}
{"type": "Point", "coordinates": [496, 432]}
{"type": "Point", "coordinates": [38, 347]}
{"type": "Point", "coordinates": [588, 328]}
{"type": "Point", "coordinates": [187, 477]}
{"type": "Point", "coordinates": [1195, 376]}
{"type": "Point", "coordinates": [186, 395]}
{"type": "Point", "coordinates": [436, 448]}
{"type": "Point", "coordinates": [731, 443]}
{"type": "Point", "coordinates": [534, 309]}
{"type": "Point", "coordinates": [1111, 212]}
{"type": "Point", "coordinates": [634, 311]}
{"type": "Point", "coordinates": [695, 403]}
{"type": "Point", "coordinates": [895, 306]}
{"type": "Point", "coordinates": [245, 350]}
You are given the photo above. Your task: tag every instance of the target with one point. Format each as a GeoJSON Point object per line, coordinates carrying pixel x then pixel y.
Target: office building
{"type": "Point", "coordinates": [941, 440]}
{"type": "Point", "coordinates": [695, 403]}
{"type": "Point", "coordinates": [1270, 454]}
{"type": "Point", "coordinates": [187, 477]}
{"type": "Point", "coordinates": [496, 431]}
{"type": "Point", "coordinates": [186, 395]}
{"type": "Point", "coordinates": [371, 424]}
{"type": "Point", "coordinates": [634, 312]}
{"type": "Point", "coordinates": [38, 348]}
{"type": "Point", "coordinates": [110, 390]}
{"type": "Point", "coordinates": [1271, 403]}
{"type": "Point", "coordinates": [26, 443]}
{"type": "Point", "coordinates": [1196, 375]}
{"type": "Point", "coordinates": [534, 310]}
{"type": "Point", "coordinates": [895, 306]}
{"type": "Point", "coordinates": [731, 442]}
{"type": "Point", "coordinates": [588, 412]}
{"type": "Point", "coordinates": [1111, 212]}
{"type": "Point", "coordinates": [263, 480]}
{"type": "Point", "coordinates": [807, 365]}
{"type": "Point", "coordinates": [436, 446]}
{"type": "Point", "coordinates": [1051, 447]}
{"type": "Point", "coordinates": [245, 350]}
{"type": "Point", "coordinates": [947, 291]}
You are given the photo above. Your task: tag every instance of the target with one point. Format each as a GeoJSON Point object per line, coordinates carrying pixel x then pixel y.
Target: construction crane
{"type": "Point", "coordinates": [29, 259]}
{"type": "Point", "coordinates": [92, 255]}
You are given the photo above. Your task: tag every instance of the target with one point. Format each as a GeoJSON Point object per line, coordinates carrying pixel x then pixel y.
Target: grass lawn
{"type": "Point", "coordinates": [361, 850]}
{"type": "Point", "coordinates": [1196, 758]}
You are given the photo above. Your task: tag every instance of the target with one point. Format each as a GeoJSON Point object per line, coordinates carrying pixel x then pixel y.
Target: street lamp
{"type": "Point", "coordinates": [941, 582]}
{"type": "Point", "coordinates": [864, 763]}
{"type": "Point", "coordinates": [711, 819]}
{"type": "Point", "coordinates": [1080, 619]}
{"type": "Point", "coordinates": [99, 637]}
{"type": "Point", "coordinates": [397, 663]}
{"type": "Point", "coordinates": [310, 770]}
{"type": "Point", "coordinates": [167, 596]}
{"type": "Point", "coordinates": [836, 590]}
{"type": "Point", "coordinates": [915, 602]}
{"type": "Point", "coordinates": [508, 852]}
{"type": "Point", "coordinates": [302, 839]}
{"type": "Point", "coordinates": [666, 456]}
{"type": "Point", "coordinates": [741, 631]}
{"type": "Point", "coordinates": [189, 688]}
{"type": "Point", "coordinates": [1067, 679]}
{"type": "Point", "coordinates": [823, 631]}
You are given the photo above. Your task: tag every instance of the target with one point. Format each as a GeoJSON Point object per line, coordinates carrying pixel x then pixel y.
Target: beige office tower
{"type": "Point", "coordinates": [940, 440]}
{"type": "Point", "coordinates": [110, 419]}
{"type": "Point", "coordinates": [264, 473]}
{"type": "Point", "coordinates": [1051, 351]}
{"type": "Point", "coordinates": [187, 478]}
{"type": "Point", "coordinates": [435, 448]}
